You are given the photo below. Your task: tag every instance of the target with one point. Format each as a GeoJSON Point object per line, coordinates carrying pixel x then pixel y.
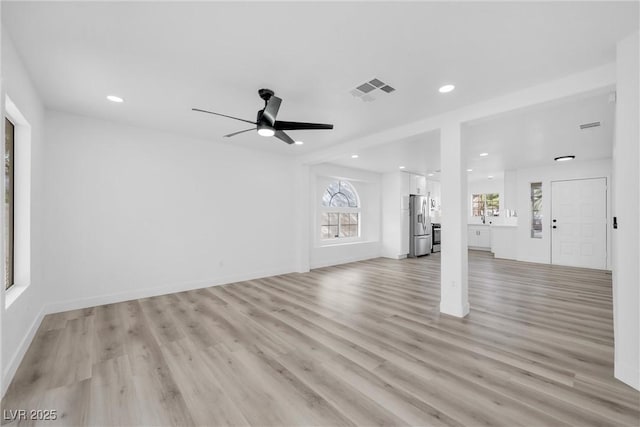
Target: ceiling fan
{"type": "Point", "coordinates": [266, 122]}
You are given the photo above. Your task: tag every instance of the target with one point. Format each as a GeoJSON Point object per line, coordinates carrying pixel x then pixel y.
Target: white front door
{"type": "Point", "coordinates": [579, 223]}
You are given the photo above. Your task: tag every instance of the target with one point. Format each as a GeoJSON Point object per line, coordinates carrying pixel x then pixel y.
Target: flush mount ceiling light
{"type": "Point", "coordinates": [564, 158]}
{"type": "Point", "coordinates": [484, 154]}
{"type": "Point", "coordinates": [446, 88]}
{"type": "Point", "coordinates": [299, 142]}
{"type": "Point", "coordinates": [490, 177]}
{"type": "Point", "coordinates": [429, 174]}
{"type": "Point", "coordinates": [114, 98]}
{"type": "Point", "coordinates": [469, 170]}
{"type": "Point", "coordinates": [401, 167]}
{"type": "Point", "coordinates": [354, 156]}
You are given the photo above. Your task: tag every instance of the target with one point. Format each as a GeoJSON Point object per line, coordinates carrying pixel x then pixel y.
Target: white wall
{"type": "Point", "coordinates": [484, 186]}
{"type": "Point", "coordinates": [539, 250]}
{"type": "Point", "coordinates": [20, 320]}
{"type": "Point", "coordinates": [626, 273]}
{"type": "Point", "coordinates": [368, 186]}
{"type": "Point", "coordinates": [133, 212]}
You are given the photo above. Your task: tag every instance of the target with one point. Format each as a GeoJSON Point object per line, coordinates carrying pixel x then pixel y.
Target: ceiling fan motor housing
{"type": "Point", "coordinates": [265, 94]}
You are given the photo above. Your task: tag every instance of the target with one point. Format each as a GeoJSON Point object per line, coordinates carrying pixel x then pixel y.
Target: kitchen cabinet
{"type": "Point", "coordinates": [418, 185]}
{"type": "Point", "coordinates": [479, 237]}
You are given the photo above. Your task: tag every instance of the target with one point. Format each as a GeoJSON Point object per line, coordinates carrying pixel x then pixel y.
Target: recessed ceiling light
{"type": "Point", "coordinates": [446, 88]}
{"type": "Point", "coordinates": [564, 158]}
{"type": "Point", "coordinates": [114, 98]}
{"type": "Point", "coordinates": [469, 170]}
{"type": "Point", "coordinates": [490, 177]}
{"type": "Point", "coordinates": [484, 154]}
{"type": "Point", "coordinates": [299, 142]}
{"type": "Point", "coordinates": [429, 174]}
{"type": "Point", "coordinates": [354, 156]}
{"type": "Point", "coordinates": [401, 167]}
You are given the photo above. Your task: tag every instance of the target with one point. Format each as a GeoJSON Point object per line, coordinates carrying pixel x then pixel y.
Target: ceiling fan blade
{"type": "Point", "coordinates": [281, 125]}
{"type": "Point", "coordinates": [284, 137]}
{"type": "Point", "coordinates": [223, 115]}
{"type": "Point", "coordinates": [241, 131]}
{"type": "Point", "coordinates": [271, 109]}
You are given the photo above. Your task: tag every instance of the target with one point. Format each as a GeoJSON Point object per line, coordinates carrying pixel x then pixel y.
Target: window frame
{"type": "Point", "coordinates": [22, 172]}
{"type": "Point", "coordinates": [536, 229]}
{"type": "Point", "coordinates": [9, 190]}
{"type": "Point", "coordinates": [339, 211]}
{"type": "Point", "coordinates": [480, 204]}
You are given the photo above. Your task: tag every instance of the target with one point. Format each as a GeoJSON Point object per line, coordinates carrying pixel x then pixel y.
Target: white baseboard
{"type": "Point", "coordinates": [338, 261]}
{"type": "Point", "coordinates": [479, 248]}
{"type": "Point", "coordinates": [18, 355]}
{"type": "Point", "coordinates": [454, 310]}
{"type": "Point", "coordinates": [628, 374]}
{"type": "Point", "coordinates": [394, 256]}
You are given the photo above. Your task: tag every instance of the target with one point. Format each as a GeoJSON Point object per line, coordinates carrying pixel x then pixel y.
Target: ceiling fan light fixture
{"type": "Point", "coordinates": [264, 130]}
{"type": "Point", "coordinates": [564, 158]}
{"type": "Point", "coordinates": [446, 88]}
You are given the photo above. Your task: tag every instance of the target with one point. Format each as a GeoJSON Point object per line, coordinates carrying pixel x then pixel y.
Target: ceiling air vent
{"type": "Point", "coordinates": [369, 90]}
{"type": "Point", "coordinates": [589, 125]}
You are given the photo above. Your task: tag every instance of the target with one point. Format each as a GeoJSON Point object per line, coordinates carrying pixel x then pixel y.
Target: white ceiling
{"type": "Point", "coordinates": [534, 137]}
{"type": "Point", "coordinates": [524, 138]}
{"type": "Point", "coordinates": [166, 57]}
{"type": "Point", "coordinates": [419, 154]}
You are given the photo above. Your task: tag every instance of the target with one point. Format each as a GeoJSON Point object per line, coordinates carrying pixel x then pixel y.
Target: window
{"type": "Point", "coordinates": [9, 150]}
{"type": "Point", "coordinates": [485, 204]}
{"type": "Point", "coordinates": [536, 210]}
{"type": "Point", "coordinates": [340, 212]}
{"type": "Point", "coordinates": [17, 203]}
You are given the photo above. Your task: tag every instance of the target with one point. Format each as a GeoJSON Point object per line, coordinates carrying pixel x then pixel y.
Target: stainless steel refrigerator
{"type": "Point", "coordinates": [419, 226]}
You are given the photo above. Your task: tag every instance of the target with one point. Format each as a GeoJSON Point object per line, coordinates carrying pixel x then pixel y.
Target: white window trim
{"type": "Point", "coordinates": [484, 195]}
{"type": "Point", "coordinates": [22, 204]}
{"type": "Point", "coordinates": [320, 242]}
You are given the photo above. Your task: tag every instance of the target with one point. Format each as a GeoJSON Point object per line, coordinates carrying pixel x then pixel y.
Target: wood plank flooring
{"type": "Point", "coordinates": [356, 344]}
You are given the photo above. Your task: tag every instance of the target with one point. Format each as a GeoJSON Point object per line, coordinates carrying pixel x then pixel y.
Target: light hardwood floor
{"type": "Point", "coordinates": [356, 344]}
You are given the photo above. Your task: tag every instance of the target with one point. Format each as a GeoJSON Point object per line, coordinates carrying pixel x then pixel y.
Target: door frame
{"type": "Point", "coordinates": [606, 217]}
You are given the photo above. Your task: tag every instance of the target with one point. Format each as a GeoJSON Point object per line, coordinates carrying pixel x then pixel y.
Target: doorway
{"type": "Point", "coordinates": [579, 223]}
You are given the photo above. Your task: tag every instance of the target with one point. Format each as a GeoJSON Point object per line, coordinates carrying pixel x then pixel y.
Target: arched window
{"type": "Point", "coordinates": [340, 212]}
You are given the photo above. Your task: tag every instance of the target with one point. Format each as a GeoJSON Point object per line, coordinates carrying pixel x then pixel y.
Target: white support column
{"type": "Point", "coordinates": [454, 292]}
{"type": "Point", "coordinates": [302, 213]}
